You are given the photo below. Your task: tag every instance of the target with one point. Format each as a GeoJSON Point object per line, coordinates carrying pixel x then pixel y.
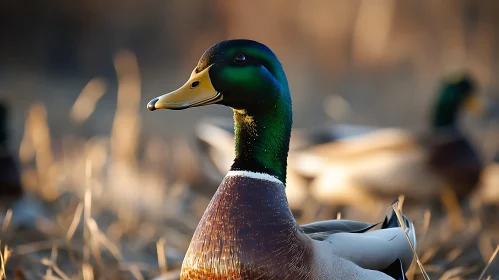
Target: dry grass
{"type": "Point", "coordinates": [397, 211]}
{"type": "Point", "coordinates": [4, 258]}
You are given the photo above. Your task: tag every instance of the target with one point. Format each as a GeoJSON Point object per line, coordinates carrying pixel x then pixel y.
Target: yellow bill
{"type": "Point", "coordinates": [197, 91]}
{"type": "Point", "coordinates": [475, 105]}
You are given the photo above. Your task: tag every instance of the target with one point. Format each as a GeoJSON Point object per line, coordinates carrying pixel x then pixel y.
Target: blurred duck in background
{"type": "Point", "coordinates": [389, 162]}
{"type": "Point", "coordinates": [10, 180]}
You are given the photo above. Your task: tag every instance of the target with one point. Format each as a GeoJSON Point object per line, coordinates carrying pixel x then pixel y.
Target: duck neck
{"type": "Point", "coordinates": [262, 139]}
{"type": "Point", "coordinates": [445, 117]}
{"type": "Point", "coordinates": [446, 110]}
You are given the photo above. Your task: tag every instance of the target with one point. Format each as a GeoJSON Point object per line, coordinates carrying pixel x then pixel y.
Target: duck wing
{"type": "Point", "coordinates": [380, 249]}
{"type": "Point", "coordinates": [323, 229]}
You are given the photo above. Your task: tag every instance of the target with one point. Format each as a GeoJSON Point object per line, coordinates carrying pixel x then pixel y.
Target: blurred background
{"type": "Point", "coordinates": [76, 77]}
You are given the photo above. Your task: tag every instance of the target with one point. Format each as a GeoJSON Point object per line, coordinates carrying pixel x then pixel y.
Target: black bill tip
{"type": "Point", "coordinates": [151, 106]}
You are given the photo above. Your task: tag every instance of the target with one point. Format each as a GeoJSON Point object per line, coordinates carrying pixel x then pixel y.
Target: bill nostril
{"type": "Point", "coordinates": [195, 84]}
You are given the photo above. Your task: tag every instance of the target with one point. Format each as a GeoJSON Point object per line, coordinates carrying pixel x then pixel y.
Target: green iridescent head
{"type": "Point", "coordinates": [457, 92]}
{"type": "Point", "coordinates": [241, 74]}
{"type": "Point", "coordinates": [246, 76]}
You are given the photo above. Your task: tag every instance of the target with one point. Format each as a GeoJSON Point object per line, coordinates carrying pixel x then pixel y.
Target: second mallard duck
{"type": "Point", "coordinates": [392, 161]}
{"type": "Point", "coordinates": [248, 231]}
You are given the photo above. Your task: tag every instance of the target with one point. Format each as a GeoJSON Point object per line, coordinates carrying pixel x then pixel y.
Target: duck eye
{"type": "Point", "coordinates": [240, 59]}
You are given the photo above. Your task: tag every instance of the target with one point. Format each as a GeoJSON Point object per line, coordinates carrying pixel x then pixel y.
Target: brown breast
{"type": "Point", "coordinates": [457, 162]}
{"type": "Point", "coordinates": [248, 232]}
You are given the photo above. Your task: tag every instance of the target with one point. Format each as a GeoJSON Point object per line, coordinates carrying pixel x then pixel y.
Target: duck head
{"type": "Point", "coordinates": [241, 74]}
{"type": "Point", "coordinates": [457, 92]}
{"type": "Point", "coordinates": [246, 76]}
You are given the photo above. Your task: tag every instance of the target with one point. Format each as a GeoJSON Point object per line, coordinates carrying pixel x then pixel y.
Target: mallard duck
{"type": "Point", "coordinates": [394, 161]}
{"type": "Point", "coordinates": [248, 231]}
{"type": "Point", "coordinates": [10, 180]}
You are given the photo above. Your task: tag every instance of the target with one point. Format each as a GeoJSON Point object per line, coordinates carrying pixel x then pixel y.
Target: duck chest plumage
{"type": "Point", "coordinates": [248, 232]}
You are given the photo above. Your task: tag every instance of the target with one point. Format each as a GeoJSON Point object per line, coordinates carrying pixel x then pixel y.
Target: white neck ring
{"type": "Point", "coordinates": [254, 175]}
